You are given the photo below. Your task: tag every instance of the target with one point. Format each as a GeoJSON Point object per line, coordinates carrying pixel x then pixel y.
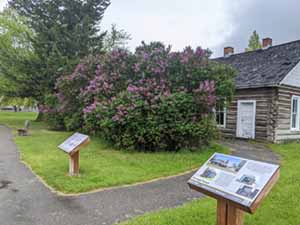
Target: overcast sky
{"type": "Point", "coordinates": [211, 24]}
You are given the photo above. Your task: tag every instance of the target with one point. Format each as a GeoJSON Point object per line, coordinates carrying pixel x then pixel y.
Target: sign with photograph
{"type": "Point", "coordinates": [237, 179]}
{"type": "Point", "coordinates": [73, 142]}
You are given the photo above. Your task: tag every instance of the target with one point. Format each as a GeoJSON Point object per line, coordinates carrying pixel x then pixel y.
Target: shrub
{"type": "Point", "coordinates": [151, 100]}
{"type": "Point", "coordinates": [170, 123]}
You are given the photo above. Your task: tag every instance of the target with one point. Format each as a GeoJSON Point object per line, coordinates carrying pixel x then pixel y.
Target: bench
{"type": "Point", "coordinates": [24, 131]}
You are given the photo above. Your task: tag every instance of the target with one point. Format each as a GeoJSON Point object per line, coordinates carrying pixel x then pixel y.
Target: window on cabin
{"type": "Point", "coordinates": [295, 113]}
{"type": "Point", "coordinates": [221, 114]}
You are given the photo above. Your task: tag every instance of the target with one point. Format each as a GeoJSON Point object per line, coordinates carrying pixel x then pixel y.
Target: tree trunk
{"type": "Point", "coordinates": [40, 117]}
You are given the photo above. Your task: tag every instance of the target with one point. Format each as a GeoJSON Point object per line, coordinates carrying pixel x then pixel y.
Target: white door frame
{"type": "Point", "coordinates": [239, 117]}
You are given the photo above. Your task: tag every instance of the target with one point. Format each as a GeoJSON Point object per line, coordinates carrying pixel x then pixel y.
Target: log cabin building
{"type": "Point", "coordinates": [266, 105]}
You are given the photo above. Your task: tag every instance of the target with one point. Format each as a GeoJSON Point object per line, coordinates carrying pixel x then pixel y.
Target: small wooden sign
{"type": "Point", "coordinates": [238, 184]}
{"type": "Point", "coordinates": [72, 146]}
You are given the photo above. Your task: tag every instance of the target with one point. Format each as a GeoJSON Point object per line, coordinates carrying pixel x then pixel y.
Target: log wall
{"type": "Point", "coordinates": [266, 113]}
{"type": "Point", "coordinates": [283, 128]}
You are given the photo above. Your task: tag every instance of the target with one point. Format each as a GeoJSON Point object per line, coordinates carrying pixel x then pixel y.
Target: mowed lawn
{"type": "Point", "coordinates": [16, 120]}
{"type": "Point", "coordinates": [281, 207]}
{"type": "Point", "coordinates": [101, 166]}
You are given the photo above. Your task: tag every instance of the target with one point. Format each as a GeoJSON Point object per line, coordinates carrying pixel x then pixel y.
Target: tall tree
{"type": "Point", "coordinates": [17, 56]}
{"type": "Point", "coordinates": [254, 42]}
{"type": "Point", "coordinates": [65, 31]}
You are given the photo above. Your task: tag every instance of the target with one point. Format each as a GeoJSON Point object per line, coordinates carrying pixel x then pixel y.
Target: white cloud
{"type": "Point", "coordinates": [2, 4]}
{"type": "Point", "coordinates": [275, 19]}
{"type": "Point", "coordinates": [176, 22]}
{"type": "Point", "coordinates": [209, 23]}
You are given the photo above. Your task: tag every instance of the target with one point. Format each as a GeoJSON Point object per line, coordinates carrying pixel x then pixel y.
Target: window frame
{"type": "Point", "coordinates": [297, 127]}
{"type": "Point", "coordinates": [218, 111]}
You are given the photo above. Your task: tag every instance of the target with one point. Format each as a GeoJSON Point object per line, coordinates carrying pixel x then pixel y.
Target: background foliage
{"type": "Point", "coordinates": [17, 56]}
{"type": "Point", "coordinates": [63, 32]}
{"type": "Point", "coordinates": [254, 42]}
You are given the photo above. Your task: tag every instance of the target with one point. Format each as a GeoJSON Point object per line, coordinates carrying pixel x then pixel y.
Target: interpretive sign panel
{"type": "Point", "coordinates": [73, 142]}
{"type": "Point", "coordinates": [233, 178]}
{"type": "Point", "coordinates": [72, 146]}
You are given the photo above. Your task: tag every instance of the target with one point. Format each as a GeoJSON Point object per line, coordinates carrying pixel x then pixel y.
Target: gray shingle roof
{"type": "Point", "coordinates": [263, 68]}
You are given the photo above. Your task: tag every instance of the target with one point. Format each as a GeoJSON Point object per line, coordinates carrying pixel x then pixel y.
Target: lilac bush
{"type": "Point", "coordinates": [152, 99]}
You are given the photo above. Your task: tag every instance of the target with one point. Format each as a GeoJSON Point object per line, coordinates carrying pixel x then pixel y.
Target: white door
{"type": "Point", "coordinates": [246, 119]}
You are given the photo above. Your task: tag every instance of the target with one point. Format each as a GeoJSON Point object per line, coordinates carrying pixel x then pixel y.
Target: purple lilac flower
{"type": "Point", "coordinates": [199, 52]}
{"type": "Point", "coordinates": [116, 118]}
{"type": "Point", "coordinates": [136, 67]}
{"type": "Point", "coordinates": [132, 89]}
{"type": "Point", "coordinates": [91, 108]}
{"type": "Point", "coordinates": [145, 56]}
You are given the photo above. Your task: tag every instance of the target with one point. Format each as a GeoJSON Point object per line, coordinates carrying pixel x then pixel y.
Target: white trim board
{"type": "Point", "coordinates": [297, 128]}
{"type": "Point", "coordinates": [238, 125]}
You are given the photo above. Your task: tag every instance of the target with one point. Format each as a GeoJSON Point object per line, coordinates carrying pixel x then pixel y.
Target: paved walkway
{"type": "Point", "coordinates": [252, 150]}
{"type": "Point", "coordinates": [26, 201]}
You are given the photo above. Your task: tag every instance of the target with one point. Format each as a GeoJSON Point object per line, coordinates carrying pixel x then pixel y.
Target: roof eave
{"type": "Point", "coordinates": [256, 86]}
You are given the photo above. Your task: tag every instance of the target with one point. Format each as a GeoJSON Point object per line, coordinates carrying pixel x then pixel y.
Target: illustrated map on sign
{"type": "Point", "coordinates": [240, 180]}
{"type": "Point", "coordinates": [73, 142]}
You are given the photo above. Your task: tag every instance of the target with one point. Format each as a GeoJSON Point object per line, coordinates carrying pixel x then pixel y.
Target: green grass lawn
{"type": "Point", "coordinates": [16, 120]}
{"type": "Point", "coordinates": [281, 207]}
{"type": "Point", "coordinates": [101, 165]}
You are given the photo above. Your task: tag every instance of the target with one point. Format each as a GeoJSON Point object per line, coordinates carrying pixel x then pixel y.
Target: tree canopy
{"type": "Point", "coordinates": [16, 56]}
{"type": "Point", "coordinates": [64, 32]}
{"type": "Point", "coordinates": [254, 42]}
{"type": "Point", "coordinates": [16, 101]}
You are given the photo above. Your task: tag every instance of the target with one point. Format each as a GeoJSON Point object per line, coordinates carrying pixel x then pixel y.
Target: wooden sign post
{"type": "Point", "coordinates": [72, 146]}
{"type": "Point", "coordinates": [74, 164]}
{"type": "Point", "coordinates": [239, 185]}
{"type": "Point", "coordinates": [228, 214]}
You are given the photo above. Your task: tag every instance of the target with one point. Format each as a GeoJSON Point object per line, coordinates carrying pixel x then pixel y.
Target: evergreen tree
{"type": "Point", "coordinates": [65, 31]}
{"type": "Point", "coordinates": [254, 42]}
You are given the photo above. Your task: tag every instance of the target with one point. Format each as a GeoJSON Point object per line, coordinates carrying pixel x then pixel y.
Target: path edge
{"type": "Point", "coordinates": [62, 194]}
